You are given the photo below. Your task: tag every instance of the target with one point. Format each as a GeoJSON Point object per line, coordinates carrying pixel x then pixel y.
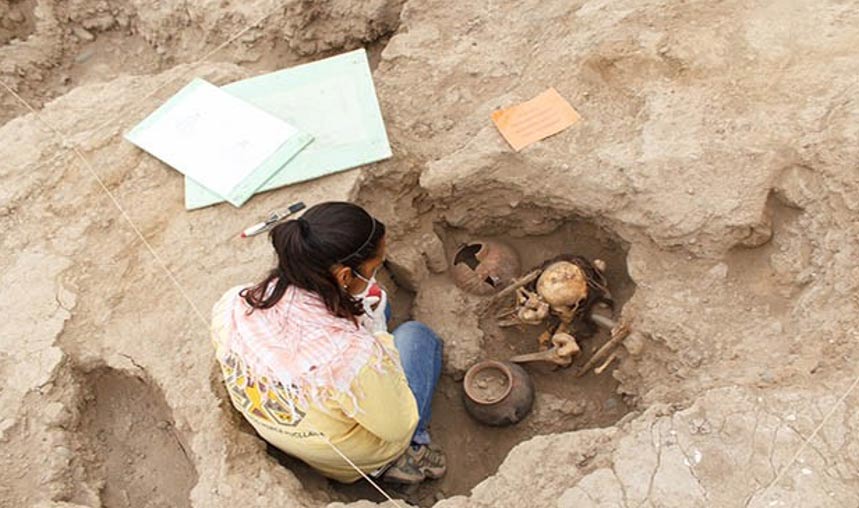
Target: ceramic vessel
{"type": "Point", "coordinates": [483, 267]}
{"type": "Point", "coordinates": [498, 393]}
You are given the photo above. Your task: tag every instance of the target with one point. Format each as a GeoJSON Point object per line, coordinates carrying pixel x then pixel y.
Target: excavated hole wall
{"type": "Point", "coordinates": [106, 437]}
{"type": "Point", "coordinates": [130, 449]}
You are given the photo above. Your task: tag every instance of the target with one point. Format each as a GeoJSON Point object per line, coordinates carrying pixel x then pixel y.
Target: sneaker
{"type": "Point", "coordinates": [404, 470]}
{"type": "Point", "coordinates": [430, 460]}
{"type": "Point", "coordinates": [416, 465]}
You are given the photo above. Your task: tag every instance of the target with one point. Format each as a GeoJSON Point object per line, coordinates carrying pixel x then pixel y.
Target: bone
{"type": "Point", "coordinates": [562, 354]}
{"type": "Point", "coordinates": [533, 315]}
{"type": "Point", "coordinates": [599, 370]}
{"type": "Point", "coordinates": [516, 284]}
{"type": "Point", "coordinates": [548, 356]}
{"type": "Point", "coordinates": [619, 333]}
{"type": "Point", "coordinates": [603, 321]}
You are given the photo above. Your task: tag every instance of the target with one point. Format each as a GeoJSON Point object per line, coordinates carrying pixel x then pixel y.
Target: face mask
{"type": "Point", "coordinates": [372, 294]}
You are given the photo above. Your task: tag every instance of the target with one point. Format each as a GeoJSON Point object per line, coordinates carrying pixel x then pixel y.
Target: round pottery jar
{"type": "Point", "coordinates": [484, 267]}
{"type": "Point", "coordinates": [498, 393]}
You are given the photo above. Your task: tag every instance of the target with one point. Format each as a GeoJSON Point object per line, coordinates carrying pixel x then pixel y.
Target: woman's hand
{"type": "Point", "coordinates": [374, 319]}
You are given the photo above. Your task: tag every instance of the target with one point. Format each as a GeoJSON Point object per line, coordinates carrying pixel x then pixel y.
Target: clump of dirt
{"type": "Point", "coordinates": [17, 20]}
{"type": "Point", "coordinates": [130, 448]}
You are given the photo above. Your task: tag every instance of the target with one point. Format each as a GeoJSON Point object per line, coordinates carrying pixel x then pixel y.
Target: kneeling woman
{"type": "Point", "coordinates": [308, 360]}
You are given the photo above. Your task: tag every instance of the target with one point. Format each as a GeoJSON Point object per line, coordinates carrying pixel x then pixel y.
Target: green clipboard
{"type": "Point", "coordinates": [333, 100]}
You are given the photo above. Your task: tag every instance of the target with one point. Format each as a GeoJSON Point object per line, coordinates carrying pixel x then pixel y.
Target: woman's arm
{"type": "Point", "coordinates": [386, 405]}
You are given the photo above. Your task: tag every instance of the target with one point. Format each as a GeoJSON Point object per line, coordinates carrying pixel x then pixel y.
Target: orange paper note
{"type": "Point", "coordinates": [531, 121]}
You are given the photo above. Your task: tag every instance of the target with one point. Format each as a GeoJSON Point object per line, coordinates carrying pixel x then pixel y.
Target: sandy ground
{"type": "Point", "coordinates": [715, 169]}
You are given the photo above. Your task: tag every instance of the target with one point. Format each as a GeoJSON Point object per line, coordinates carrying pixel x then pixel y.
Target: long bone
{"type": "Point", "coordinates": [516, 284]}
{"type": "Point", "coordinates": [561, 354]}
{"type": "Point", "coordinates": [619, 332]}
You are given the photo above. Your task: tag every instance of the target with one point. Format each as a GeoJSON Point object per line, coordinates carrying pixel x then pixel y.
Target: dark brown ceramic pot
{"type": "Point", "coordinates": [498, 393]}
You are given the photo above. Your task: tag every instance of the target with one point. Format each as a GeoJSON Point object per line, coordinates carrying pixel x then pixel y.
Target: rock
{"type": "Point", "coordinates": [634, 344]}
{"type": "Point", "coordinates": [433, 251]}
{"type": "Point", "coordinates": [450, 313]}
{"type": "Point", "coordinates": [56, 414]}
{"type": "Point", "coordinates": [84, 55]}
{"type": "Point", "coordinates": [5, 425]}
{"type": "Point", "coordinates": [15, 16]}
{"type": "Point", "coordinates": [62, 456]}
{"type": "Point", "coordinates": [407, 265]}
{"type": "Point", "coordinates": [83, 34]}
{"type": "Point", "coordinates": [550, 411]}
{"type": "Point", "coordinates": [101, 22]}
{"type": "Point", "coordinates": [719, 271]}
{"type": "Point", "coordinates": [797, 186]}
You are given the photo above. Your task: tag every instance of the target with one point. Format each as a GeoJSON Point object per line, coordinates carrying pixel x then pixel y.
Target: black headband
{"type": "Point", "coordinates": [365, 244]}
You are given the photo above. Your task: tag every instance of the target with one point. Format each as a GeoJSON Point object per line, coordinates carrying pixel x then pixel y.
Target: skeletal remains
{"type": "Point", "coordinates": [562, 292]}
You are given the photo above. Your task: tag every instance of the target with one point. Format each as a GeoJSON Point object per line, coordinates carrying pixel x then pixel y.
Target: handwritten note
{"type": "Point", "coordinates": [543, 116]}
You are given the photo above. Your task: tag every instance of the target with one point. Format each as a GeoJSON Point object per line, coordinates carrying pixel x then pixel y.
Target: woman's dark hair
{"type": "Point", "coordinates": [307, 248]}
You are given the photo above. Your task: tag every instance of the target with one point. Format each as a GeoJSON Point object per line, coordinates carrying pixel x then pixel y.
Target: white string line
{"type": "Point", "coordinates": [151, 250]}
{"type": "Point", "coordinates": [190, 67]}
{"type": "Point", "coordinates": [817, 429]}
{"type": "Point", "coordinates": [103, 186]}
{"type": "Point", "coordinates": [356, 468]}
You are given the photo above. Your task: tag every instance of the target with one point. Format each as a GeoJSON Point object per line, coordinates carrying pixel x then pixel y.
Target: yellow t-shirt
{"type": "Point", "coordinates": [377, 434]}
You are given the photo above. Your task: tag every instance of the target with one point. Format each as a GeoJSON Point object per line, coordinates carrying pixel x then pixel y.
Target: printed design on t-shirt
{"type": "Point", "coordinates": [258, 396]}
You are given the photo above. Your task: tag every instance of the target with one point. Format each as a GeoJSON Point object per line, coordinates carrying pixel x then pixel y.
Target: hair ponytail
{"type": "Point", "coordinates": [308, 247]}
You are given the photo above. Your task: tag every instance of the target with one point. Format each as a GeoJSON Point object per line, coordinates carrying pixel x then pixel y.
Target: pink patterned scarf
{"type": "Point", "coordinates": [298, 344]}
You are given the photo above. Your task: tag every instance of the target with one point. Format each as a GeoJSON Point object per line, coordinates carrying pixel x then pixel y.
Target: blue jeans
{"type": "Point", "coordinates": [420, 355]}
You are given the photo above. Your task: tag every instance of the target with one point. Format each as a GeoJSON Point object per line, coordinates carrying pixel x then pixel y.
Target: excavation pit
{"type": "Point", "coordinates": [131, 451]}
{"type": "Point", "coordinates": [670, 151]}
{"type": "Point", "coordinates": [562, 401]}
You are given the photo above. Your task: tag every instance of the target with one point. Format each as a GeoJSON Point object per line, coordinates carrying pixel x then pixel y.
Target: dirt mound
{"type": "Point", "coordinates": [714, 169]}
{"type": "Point", "coordinates": [49, 47]}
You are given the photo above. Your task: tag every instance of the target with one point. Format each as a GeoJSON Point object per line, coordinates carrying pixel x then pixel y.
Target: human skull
{"type": "Point", "coordinates": [562, 285]}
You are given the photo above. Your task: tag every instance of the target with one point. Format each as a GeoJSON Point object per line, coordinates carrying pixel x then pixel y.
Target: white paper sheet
{"type": "Point", "coordinates": [221, 142]}
{"type": "Point", "coordinates": [332, 99]}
